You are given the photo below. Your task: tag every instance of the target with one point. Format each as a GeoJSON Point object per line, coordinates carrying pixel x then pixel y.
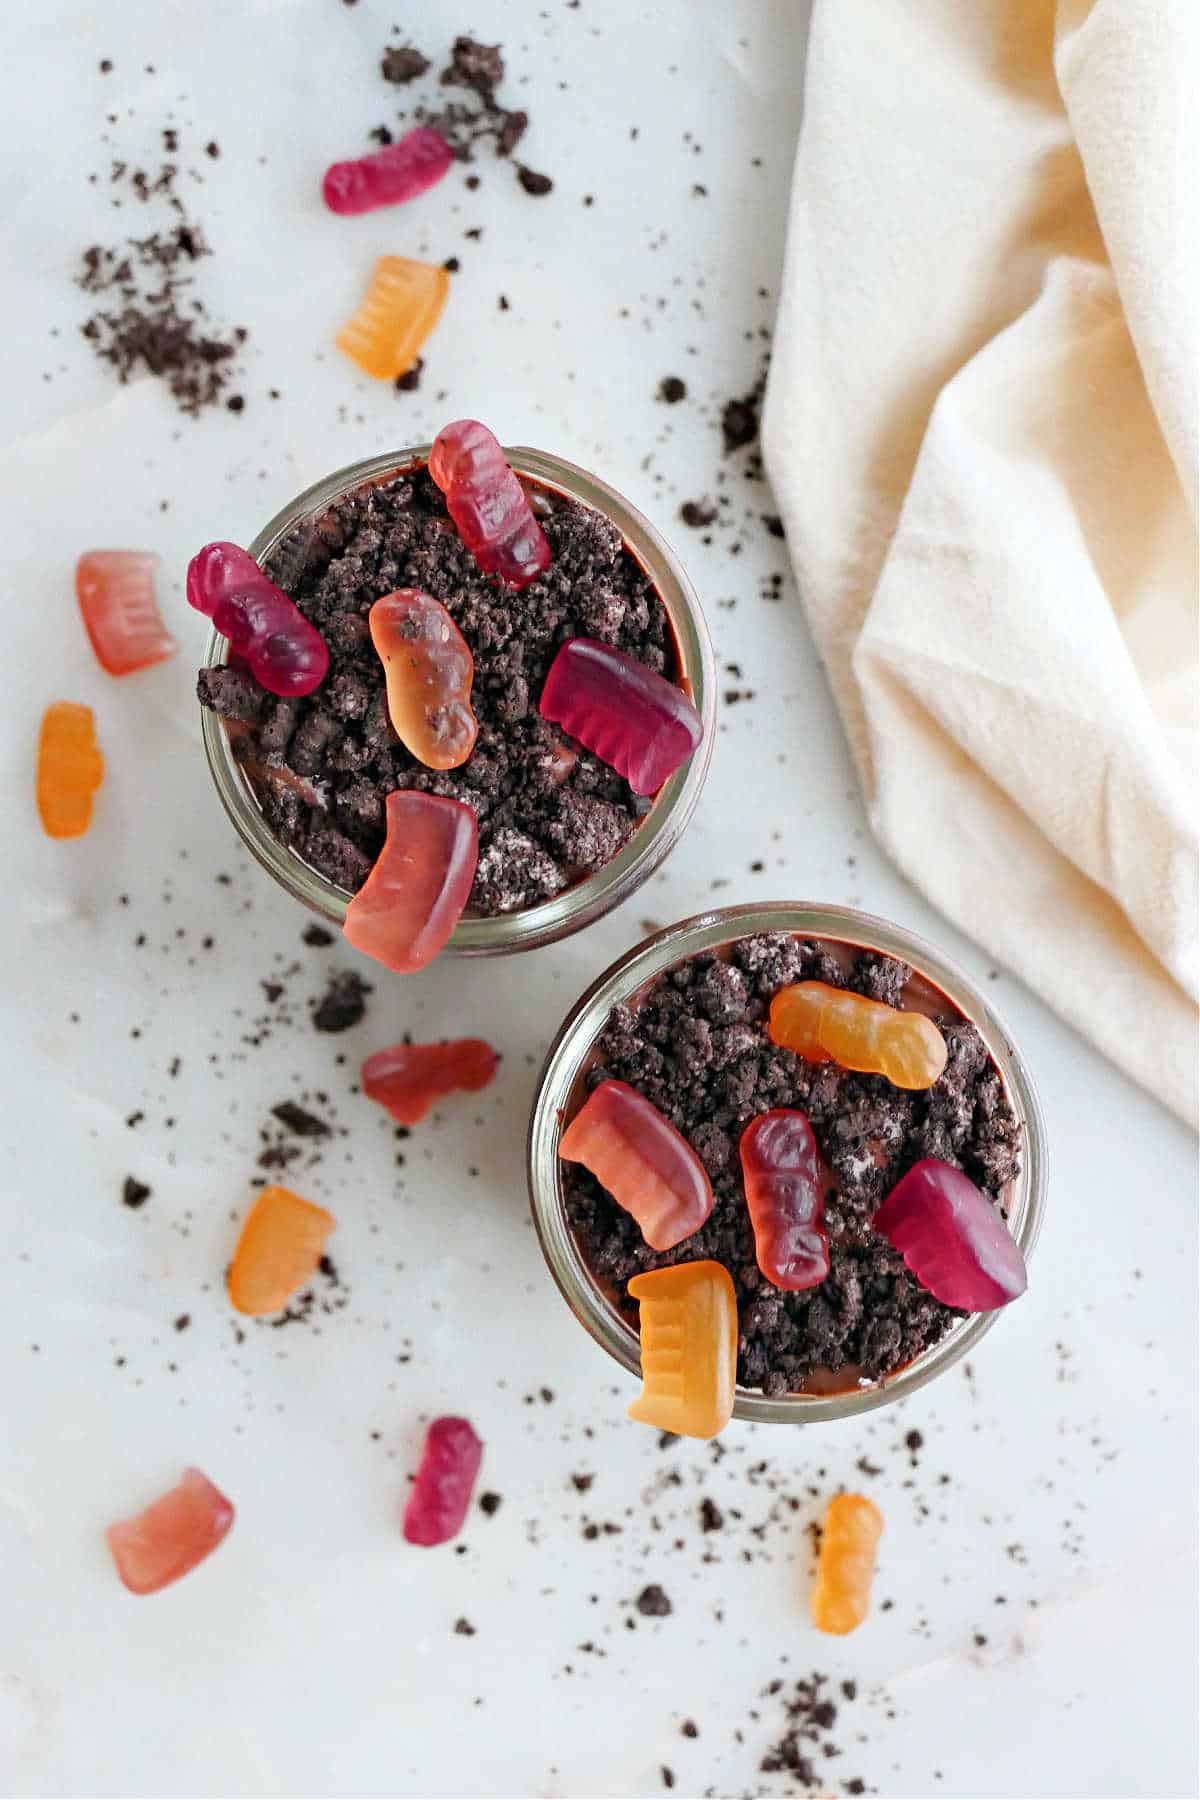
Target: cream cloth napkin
{"type": "Point", "coordinates": [981, 430]}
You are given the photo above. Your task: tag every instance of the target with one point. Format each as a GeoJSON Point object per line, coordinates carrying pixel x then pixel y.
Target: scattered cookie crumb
{"type": "Point", "coordinates": [532, 182]}
{"type": "Point", "coordinates": [343, 1003]}
{"type": "Point", "coordinates": [653, 1603]}
{"type": "Point", "coordinates": [711, 1516]}
{"type": "Point", "coordinates": [403, 64]}
{"type": "Point", "coordinates": [299, 1120]}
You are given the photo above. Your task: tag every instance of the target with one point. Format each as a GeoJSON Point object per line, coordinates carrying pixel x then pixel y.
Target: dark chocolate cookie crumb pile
{"type": "Point", "coordinates": [478, 117]}
{"type": "Point", "coordinates": [150, 320]}
{"type": "Point", "coordinates": [806, 1745]}
{"type": "Point", "coordinates": [697, 1046]}
{"type": "Point", "coordinates": [325, 764]}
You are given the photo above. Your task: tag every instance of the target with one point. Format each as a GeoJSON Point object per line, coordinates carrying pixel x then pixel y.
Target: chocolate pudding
{"type": "Point", "coordinates": [695, 1043]}
{"type": "Point", "coordinates": [550, 813]}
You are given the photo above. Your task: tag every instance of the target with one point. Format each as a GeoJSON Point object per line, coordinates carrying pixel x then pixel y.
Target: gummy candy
{"type": "Point", "coordinates": [824, 1024]}
{"type": "Point", "coordinates": [785, 1197]}
{"type": "Point", "coordinates": [285, 654]}
{"type": "Point", "coordinates": [689, 1331]}
{"type": "Point", "coordinates": [401, 308]}
{"type": "Point", "coordinates": [70, 769]}
{"type": "Point", "coordinates": [952, 1238]}
{"type": "Point", "coordinates": [647, 1166]}
{"type": "Point", "coordinates": [429, 671]}
{"type": "Point", "coordinates": [282, 1242]}
{"type": "Point", "coordinates": [408, 1078]}
{"type": "Point", "coordinates": [488, 504]}
{"type": "Point", "coordinates": [115, 590]}
{"type": "Point", "coordinates": [441, 1492]}
{"type": "Point", "coordinates": [173, 1534]}
{"type": "Point", "coordinates": [279, 778]}
{"type": "Point", "coordinates": [400, 171]}
{"type": "Point", "coordinates": [411, 901]}
{"type": "Point", "coordinates": [846, 1565]}
{"type": "Point", "coordinates": [560, 763]}
{"type": "Point", "coordinates": [639, 723]}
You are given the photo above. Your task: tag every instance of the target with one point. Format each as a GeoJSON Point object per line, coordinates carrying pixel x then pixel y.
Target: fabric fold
{"type": "Point", "coordinates": [979, 432]}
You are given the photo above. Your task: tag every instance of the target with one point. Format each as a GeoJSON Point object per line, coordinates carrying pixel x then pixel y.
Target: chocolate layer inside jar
{"type": "Point", "coordinates": [550, 813]}
{"type": "Point", "coordinates": [694, 1041]}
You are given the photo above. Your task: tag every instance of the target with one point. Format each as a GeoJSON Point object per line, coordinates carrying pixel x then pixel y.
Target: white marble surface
{"type": "Point", "coordinates": [315, 1653]}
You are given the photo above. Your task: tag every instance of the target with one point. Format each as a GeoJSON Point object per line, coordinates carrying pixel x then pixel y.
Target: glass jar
{"type": "Point", "coordinates": [657, 832]}
{"type": "Point", "coordinates": [711, 931]}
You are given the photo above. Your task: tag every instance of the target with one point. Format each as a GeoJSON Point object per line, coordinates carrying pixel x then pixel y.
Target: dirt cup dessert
{"type": "Point", "coordinates": [466, 697]}
{"type": "Point", "coordinates": [786, 1162]}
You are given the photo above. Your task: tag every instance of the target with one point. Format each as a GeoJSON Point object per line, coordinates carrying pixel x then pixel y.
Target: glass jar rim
{"type": "Point", "coordinates": [656, 833]}
{"type": "Point", "coordinates": [709, 931]}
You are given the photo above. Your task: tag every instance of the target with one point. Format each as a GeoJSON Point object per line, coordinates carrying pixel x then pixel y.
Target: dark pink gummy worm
{"type": "Point", "coordinates": [952, 1238]}
{"type": "Point", "coordinates": [442, 1490]}
{"type": "Point", "coordinates": [488, 504]}
{"type": "Point", "coordinates": [636, 721]}
{"type": "Point", "coordinates": [284, 653]}
{"type": "Point", "coordinates": [398, 172]}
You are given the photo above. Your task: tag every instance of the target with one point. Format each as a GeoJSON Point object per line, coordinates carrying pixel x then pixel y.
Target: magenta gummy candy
{"type": "Point", "coordinates": [488, 504]}
{"type": "Point", "coordinates": [398, 172]}
{"type": "Point", "coordinates": [952, 1238]}
{"type": "Point", "coordinates": [284, 653]}
{"type": "Point", "coordinates": [441, 1493]}
{"type": "Point", "coordinates": [642, 725]}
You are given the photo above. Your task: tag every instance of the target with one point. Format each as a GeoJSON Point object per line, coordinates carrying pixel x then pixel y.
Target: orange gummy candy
{"type": "Point", "coordinates": [429, 669]}
{"type": "Point", "coordinates": [70, 768]}
{"type": "Point", "coordinates": [647, 1166]}
{"type": "Point", "coordinates": [402, 306]}
{"type": "Point", "coordinates": [689, 1331]}
{"type": "Point", "coordinates": [828, 1024]}
{"type": "Point", "coordinates": [282, 1242]}
{"type": "Point", "coordinates": [115, 590]}
{"type": "Point", "coordinates": [171, 1536]}
{"type": "Point", "coordinates": [846, 1565]}
{"type": "Point", "coordinates": [406, 909]}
